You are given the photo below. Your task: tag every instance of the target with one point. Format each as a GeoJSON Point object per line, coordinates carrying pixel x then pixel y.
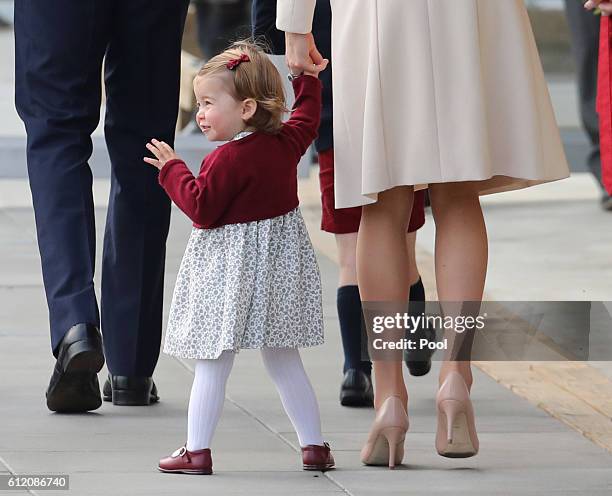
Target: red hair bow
{"type": "Point", "coordinates": [232, 64]}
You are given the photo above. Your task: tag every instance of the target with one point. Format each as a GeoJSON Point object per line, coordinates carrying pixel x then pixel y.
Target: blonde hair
{"type": "Point", "coordinates": [257, 79]}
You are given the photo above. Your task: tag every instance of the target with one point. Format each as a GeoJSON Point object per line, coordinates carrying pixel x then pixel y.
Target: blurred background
{"type": "Point", "coordinates": [548, 212]}
{"type": "Point", "coordinates": [212, 24]}
{"type": "Point", "coordinates": [526, 227]}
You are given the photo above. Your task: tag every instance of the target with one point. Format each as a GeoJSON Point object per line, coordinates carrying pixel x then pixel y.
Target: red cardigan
{"type": "Point", "coordinates": [252, 178]}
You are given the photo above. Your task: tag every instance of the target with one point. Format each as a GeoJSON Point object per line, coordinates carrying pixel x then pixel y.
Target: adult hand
{"type": "Point", "coordinates": [302, 54]}
{"type": "Point", "coordinates": [604, 5]}
{"type": "Point", "coordinates": [163, 153]}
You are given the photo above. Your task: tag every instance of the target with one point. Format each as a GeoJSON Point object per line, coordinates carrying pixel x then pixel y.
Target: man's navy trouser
{"type": "Point", "coordinates": [60, 45]}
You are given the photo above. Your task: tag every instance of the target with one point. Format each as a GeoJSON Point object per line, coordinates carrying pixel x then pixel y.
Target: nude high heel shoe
{"type": "Point", "coordinates": [456, 435]}
{"type": "Point", "coordinates": [385, 444]}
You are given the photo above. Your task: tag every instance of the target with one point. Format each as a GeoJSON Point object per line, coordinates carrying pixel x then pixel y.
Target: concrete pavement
{"type": "Point", "coordinates": [114, 450]}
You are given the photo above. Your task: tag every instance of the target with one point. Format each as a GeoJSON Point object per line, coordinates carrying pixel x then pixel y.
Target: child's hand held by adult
{"type": "Point", "coordinates": [315, 69]}
{"type": "Point", "coordinates": [162, 151]}
{"type": "Point", "coordinates": [303, 55]}
{"type": "Point", "coordinates": [603, 6]}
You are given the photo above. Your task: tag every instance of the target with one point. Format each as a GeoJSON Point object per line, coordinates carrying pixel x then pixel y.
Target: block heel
{"type": "Point", "coordinates": [83, 356]}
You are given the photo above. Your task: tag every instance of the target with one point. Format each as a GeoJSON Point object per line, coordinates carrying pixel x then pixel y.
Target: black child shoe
{"type": "Point", "coordinates": [356, 389]}
{"type": "Point", "coordinates": [418, 361]}
{"type": "Point", "coordinates": [74, 384]}
{"type": "Point", "coordinates": [130, 390]}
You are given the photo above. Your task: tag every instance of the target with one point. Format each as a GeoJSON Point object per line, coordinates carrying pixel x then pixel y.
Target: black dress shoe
{"type": "Point", "coordinates": [130, 390]}
{"type": "Point", "coordinates": [419, 361]}
{"type": "Point", "coordinates": [356, 389]}
{"type": "Point", "coordinates": [74, 384]}
{"type": "Point", "coordinates": [418, 368]}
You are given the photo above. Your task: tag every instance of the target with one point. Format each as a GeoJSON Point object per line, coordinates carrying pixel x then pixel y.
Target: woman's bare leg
{"type": "Point", "coordinates": [413, 270]}
{"type": "Point", "coordinates": [461, 251]}
{"type": "Point", "coordinates": [382, 265]}
{"type": "Point", "coordinates": [346, 245]}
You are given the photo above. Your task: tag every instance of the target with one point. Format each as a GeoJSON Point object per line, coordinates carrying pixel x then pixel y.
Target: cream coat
{"type": "Point", "coordinates": [435, 91]}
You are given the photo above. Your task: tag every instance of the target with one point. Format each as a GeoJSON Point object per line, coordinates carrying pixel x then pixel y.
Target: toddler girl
{"type": "Point", "coordinates": [249, 277]}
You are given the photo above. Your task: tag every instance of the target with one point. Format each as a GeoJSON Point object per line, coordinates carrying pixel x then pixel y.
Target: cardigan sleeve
{"type": "Point", "coordinates": [295, 16]}
{"type": "Point", "coordinates": [205, 198]}
{"type": "Point", "coordinates": [302, 128]}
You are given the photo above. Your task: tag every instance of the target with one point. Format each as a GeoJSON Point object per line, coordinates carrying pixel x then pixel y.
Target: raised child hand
{"type": "Point", "coordinates": [162, 151]}
{"type": "Point", "coordinates": [315, 69]}
{"type": "Point", "coordinates": [605, 6]}
{"type": "Point", "coordinates": [302, 55]}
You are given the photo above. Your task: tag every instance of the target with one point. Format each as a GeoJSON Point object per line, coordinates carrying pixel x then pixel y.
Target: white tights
{"type": "Point", "coordinates": [284, 366]}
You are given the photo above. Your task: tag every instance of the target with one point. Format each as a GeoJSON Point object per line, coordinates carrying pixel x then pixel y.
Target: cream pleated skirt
{"type": "Point", "coordinates": [438, 91]}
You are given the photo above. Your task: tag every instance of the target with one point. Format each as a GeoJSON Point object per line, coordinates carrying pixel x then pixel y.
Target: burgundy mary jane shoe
{"type": "Point", "coordinates": [316, 457]}
{"type": "Point", "coordinates": [182, 461]}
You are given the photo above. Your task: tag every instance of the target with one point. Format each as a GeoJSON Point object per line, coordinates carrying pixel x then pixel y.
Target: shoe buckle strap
{"type": "Point", "coordinates": [180, 452]}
